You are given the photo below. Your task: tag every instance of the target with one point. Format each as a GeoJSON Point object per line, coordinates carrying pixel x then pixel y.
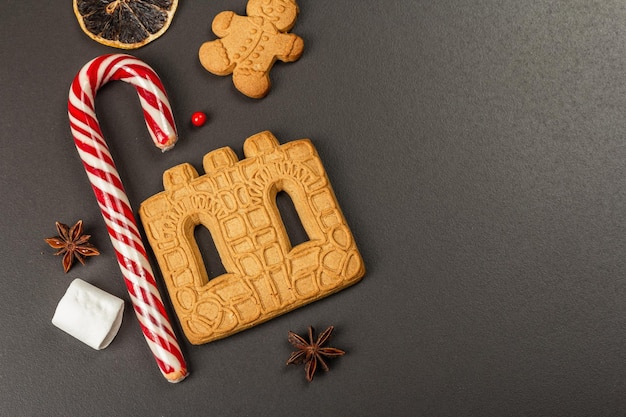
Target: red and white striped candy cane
{"type": "Point", "coordinates": [109, 191]}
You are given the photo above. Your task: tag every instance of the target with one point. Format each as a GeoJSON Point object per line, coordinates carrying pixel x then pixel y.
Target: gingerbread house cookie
{"type": "Point", "coordinates": [249, 45]}
{"type": "Point", "coordinates": [236, 201]}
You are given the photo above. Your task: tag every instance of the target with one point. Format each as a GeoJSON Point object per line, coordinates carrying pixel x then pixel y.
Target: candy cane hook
{"type": "Point", "coordinates": [112, 199]}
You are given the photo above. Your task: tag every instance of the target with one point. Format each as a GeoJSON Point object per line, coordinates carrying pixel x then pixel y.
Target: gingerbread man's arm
{"type": "Point", "coordinates": [221, 23]}
{"type": "Point", "coordinates": [289, 47]}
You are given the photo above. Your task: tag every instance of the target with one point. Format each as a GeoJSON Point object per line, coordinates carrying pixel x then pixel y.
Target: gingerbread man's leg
{"type": "Point", "coordinates": [254, 84]}
{"type": "Point", "coordinates": [252, 77]}
{"type": "Point", "coordinates": [214, 58]}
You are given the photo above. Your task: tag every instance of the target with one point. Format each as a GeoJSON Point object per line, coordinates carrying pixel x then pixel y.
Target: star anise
{"type": "Point", "coordinates": [72, 244]}
{"type": "Point", "coordinates": [312, 352]}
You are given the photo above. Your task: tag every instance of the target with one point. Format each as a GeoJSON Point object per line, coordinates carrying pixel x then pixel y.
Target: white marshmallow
{"type": "Point", "coordinates": [89, 314]}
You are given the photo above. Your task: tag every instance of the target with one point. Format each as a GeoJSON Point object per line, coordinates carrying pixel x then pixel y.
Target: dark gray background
{"type": "Point", "coordinates": [477, 149]}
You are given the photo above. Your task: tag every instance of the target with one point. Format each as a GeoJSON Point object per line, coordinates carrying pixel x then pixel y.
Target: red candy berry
{"type": "Point", "coordinates": [198, 119]}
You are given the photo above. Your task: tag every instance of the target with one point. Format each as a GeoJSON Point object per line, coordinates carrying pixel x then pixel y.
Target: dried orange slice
{"type": "Point", "coordinates": [124, 24]}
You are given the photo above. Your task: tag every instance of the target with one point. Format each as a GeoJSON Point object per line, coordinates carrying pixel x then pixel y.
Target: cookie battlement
{"type": "Point", "coordinates": [236, 201]}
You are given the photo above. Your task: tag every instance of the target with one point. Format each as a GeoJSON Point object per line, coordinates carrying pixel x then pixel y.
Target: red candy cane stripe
{"type": "Point", "coordinates": [112, 199]}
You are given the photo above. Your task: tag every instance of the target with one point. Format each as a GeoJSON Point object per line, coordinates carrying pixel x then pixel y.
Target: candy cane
{"type": "Point", "coordinates": [112, 199]}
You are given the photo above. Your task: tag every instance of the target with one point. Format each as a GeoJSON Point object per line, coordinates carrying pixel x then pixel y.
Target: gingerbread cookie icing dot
{"type": "Point", "coordinates": [248, 46]}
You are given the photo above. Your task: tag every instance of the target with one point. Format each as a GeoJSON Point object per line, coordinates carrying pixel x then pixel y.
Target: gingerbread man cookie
{"type": "Point", "coordinates": [249, 45]}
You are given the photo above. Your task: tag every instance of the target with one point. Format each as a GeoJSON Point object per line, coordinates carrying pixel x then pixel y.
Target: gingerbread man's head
{"type": "Point", "coordinates": [282, 13]}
